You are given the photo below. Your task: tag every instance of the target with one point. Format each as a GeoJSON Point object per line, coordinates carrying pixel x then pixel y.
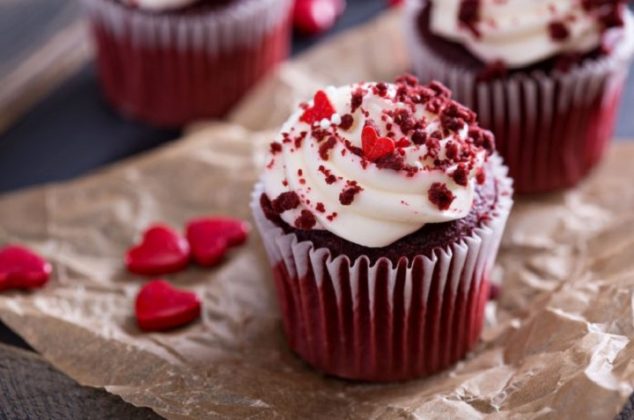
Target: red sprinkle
{"type": "Point", "coordinates": [322, 108]}
{"type": "Point", "coordinates": [357, 99]}
{"type": "Point", "coordinates": [375, 147]}
{"type": "Point", "coordinates": [324, 149]}
{"type": "Point", "coordinates": [346, 122]}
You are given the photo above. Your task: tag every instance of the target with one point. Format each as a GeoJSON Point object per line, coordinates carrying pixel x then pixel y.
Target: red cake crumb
{"type": "Point", "coordinates": [380, 89]}
{"type": "Point", "coordinates": [558, 31]}
{"type": "Point", "coordinates": [357, 99]}
{"type": "Point", "coordinates": [439, 89]}
{"type": "Point", "coordinates": [347, 195]}
{"type": "Point", "coordinates": [329, 177]}
{"type": "Point", "coordinates": [306, 220]}
{"type": "Point", "coordinates": [346, 122]}
{"type": "Point", "coordinates": [320, 208]}
{"type": "Point", "coordinates": [275, 148]}
{"type": "Point", "coordinates": [440, 195]}
{"type": "Point", "coordinates": [461, 175]}
{"type": "Point", "coordinates": [480, 176]}
{"type": "Point", "coordinates": [324, 149]}
{"type": "Point", "coordinates": [286, 201]}
{"type": "Point", "coordinates": [332, 216]}
{"type": "Point", "coordinates": [469, 15]}
{"type": "Point", "coordinates": [451, 150]}
{"type": "Point", "coordinates": [419, 137]}
{"type": "Point", "coordinates": [482, 138]}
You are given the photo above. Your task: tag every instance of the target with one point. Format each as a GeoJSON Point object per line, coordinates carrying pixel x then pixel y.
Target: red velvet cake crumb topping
{"type": "Point", "coordinates": [286, 201]}
{"type": "Point", "coordinates": [347, 195]}
{"type": "Point", "coordinates": [440, 195]}
{"type": "Point", "coordinates": [306, 220]}
{"type": "Point", "coordinates": [558, 31]}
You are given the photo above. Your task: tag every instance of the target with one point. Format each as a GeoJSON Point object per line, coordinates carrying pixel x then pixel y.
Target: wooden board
{"type": "Point", "coordinates": [35, 390]}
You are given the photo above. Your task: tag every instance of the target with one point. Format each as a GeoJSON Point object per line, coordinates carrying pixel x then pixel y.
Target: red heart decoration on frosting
{"type": "Point", "coordinates": [21, 268]}
{"type": "Point", "coordinates": [375, 147]}
{"type": "Point", "coordinates": [160, 306]}
{"type": "Point", "coordinates": [209, 238]}
{"type": "Point", "coordinates": [322, 108]}
{"type": "Point", "coordinates": [161, 251]}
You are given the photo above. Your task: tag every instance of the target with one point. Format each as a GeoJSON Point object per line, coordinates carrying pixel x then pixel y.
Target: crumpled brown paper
{"type": "Point", "coordinates": [559, 342]}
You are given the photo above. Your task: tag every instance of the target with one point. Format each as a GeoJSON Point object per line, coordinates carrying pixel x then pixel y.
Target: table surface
{"type": "Point", "coordinates": [72, 131]}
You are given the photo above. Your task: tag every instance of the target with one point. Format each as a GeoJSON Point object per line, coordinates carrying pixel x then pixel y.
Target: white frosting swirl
{"type": "Point", "coordinates": [159, 5]}
{"type": "Point", "coordinates": [391, 203]}
{"type": "Point", "coordinates": [517, 31]}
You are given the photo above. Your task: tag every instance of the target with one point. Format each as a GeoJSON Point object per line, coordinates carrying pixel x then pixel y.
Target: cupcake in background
{"type": "Point", "coordinates": [545, 76]}
{"type": "Point", "coordinates": [381, 207]}
{"type": "Point", "coordinates": [169, 62]}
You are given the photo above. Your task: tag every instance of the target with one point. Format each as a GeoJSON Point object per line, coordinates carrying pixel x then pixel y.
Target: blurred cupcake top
{"type": "Point", "coordinates": [374, 162]}
{"type": "Point", "coordinates": [166, 5]}
{"type": "Point", "coordinates": [519, 33]}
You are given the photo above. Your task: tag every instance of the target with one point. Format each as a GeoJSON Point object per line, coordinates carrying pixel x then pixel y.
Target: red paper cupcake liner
{"type": "Point", "coordinates": [170, 69]}
{"type": "Point", "coordinates": [381, 322]}
{"type": "Point", "coordinates": [551, 129]}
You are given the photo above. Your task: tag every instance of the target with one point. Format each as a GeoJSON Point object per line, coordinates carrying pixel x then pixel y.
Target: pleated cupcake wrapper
{"type": "Point", "coordinates": [550, 129]}
{"type": "Point", "coordinates": [170, 69]}
{"type": "Point", "coordinates": [384, 322]}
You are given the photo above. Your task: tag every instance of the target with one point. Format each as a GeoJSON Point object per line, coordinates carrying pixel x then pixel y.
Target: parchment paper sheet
{"type": "Point", "coordinates": [559, 343]}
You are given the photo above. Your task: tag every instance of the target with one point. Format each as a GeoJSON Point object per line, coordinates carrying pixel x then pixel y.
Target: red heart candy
{"type": "Point", "coordinates": [316, 16]}
{"type": "Point", "coordinates": [160, 307]}
{"type": "Point", "coordinates": [161, 251]}
{"type": "Point", "coordinates": [322, 108]}
{"type": "Point", "coordinates": [21, 268]}
{"type": "Point", "coordinates": [209, 238]}
{"type": "Point", "coordinates": [375, 147]}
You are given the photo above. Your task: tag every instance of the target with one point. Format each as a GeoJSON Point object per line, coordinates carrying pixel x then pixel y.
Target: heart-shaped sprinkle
{"type": "Point", "coordinates": [161, 251]}
{"type": "Point", "coordinates": [210, 237]}
{"type": "Point", "coordinates": [160, 307]}
{"type": "Point", "coordinates": [321, 109]}
{"type": "Point", "coordinates": [21, 268]}
{"type": "Point", "coordinates": [375, 147]}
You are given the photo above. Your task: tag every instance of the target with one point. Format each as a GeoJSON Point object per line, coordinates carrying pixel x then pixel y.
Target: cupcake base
{"type": "Point", "coordinates": [170, 70]}
{"type": "Point", "coordinates": [380, 321]}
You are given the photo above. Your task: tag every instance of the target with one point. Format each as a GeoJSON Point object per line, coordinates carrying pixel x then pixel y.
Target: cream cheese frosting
{"type": "Point", "coordinates": [523, 32]}
{"type": "Point", "coordinates": [374, 162]}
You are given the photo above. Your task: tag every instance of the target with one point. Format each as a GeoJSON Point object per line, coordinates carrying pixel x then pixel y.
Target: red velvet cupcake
{"type": "Point", "coordinates": [169, 62]}
{"type": "Point", "coordinates": [381, 208]}
{"type": "Point", "coordinates": [545, 76]}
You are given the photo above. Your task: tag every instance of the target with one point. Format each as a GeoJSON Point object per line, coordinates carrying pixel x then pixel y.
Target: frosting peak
{"type": "Point", "coordinates": [374, 162]}
{"type": "Point", "coordinates": [523, 32]}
